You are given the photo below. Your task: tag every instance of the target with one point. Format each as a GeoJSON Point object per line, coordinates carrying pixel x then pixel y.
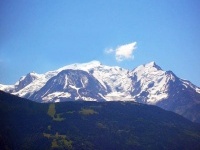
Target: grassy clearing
{"type": "Point", "coordinates": [52, 112]}
{"type": "Point", "coordinates": [58, 117]}
{"type": "Point", "coordinates": [89, 111]}
{"type": "Point", "coordinates": [47, 135]}
{"type": "Point", "coordinates": [59, 141]}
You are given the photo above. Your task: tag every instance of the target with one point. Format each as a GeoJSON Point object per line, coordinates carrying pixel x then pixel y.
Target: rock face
{"type": "Point", "coordinates": [93, 81]}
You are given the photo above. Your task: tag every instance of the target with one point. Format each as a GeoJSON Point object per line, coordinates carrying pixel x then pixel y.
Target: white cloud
{"type": "Point", "coordinates": [108, 51]}
{"type": "Point", "coordinates": [123, 52]}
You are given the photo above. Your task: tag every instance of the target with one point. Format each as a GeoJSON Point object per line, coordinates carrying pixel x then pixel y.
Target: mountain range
{"type": "Point", "coordinates": [93, 81]}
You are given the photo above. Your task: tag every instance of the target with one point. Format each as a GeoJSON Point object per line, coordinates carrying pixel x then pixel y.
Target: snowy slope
{"type": "Point", "coordinates": [6, 88]}
{"type": "Point", "coordinates": [146, 84]}
{"type": "Point", "coordinates": [73, 84]}
{"type": "Point", "coordinates": [149, 83]}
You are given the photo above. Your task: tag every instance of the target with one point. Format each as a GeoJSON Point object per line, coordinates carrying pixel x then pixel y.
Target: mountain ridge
{"type": "Point", "coordinates": [147, 84]}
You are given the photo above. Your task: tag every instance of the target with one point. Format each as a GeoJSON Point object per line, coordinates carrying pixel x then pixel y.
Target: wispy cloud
{"type": "Point", "coordinates": [108, 51]}
{"type": "Point", "coordinates": [123, 52]}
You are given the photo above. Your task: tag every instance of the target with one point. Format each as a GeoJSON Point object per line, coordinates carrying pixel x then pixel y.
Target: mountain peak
{"type": "Point", "coordinates": [149, 67]}
{"type": "Point", "coordinates": [90, 63]}
{"type": "Point", "coordinates": [95, 62]}
{"type": "Point", "coordinates": [32, 74]}
{"type": "Point", "coordinates": [152, 64]}
{"type": "Point", "coordinates": [82, 66]}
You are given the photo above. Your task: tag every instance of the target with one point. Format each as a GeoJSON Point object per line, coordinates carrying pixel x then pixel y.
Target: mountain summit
{"type": "Point", "coordinates": [94, 81]}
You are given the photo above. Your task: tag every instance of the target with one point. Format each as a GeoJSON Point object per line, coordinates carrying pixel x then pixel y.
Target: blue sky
{"type": "Point", "coordinates": [43, 35]}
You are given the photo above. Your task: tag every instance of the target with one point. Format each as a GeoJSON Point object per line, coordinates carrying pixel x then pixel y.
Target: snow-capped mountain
{"type": "Point", "coordinates": [73, 84]}
{"type": "Point", "coordinates": [93, 81]}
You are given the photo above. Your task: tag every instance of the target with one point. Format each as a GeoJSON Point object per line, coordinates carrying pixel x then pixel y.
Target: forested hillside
{"type": "Point", "coordinates": [92, 125]}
